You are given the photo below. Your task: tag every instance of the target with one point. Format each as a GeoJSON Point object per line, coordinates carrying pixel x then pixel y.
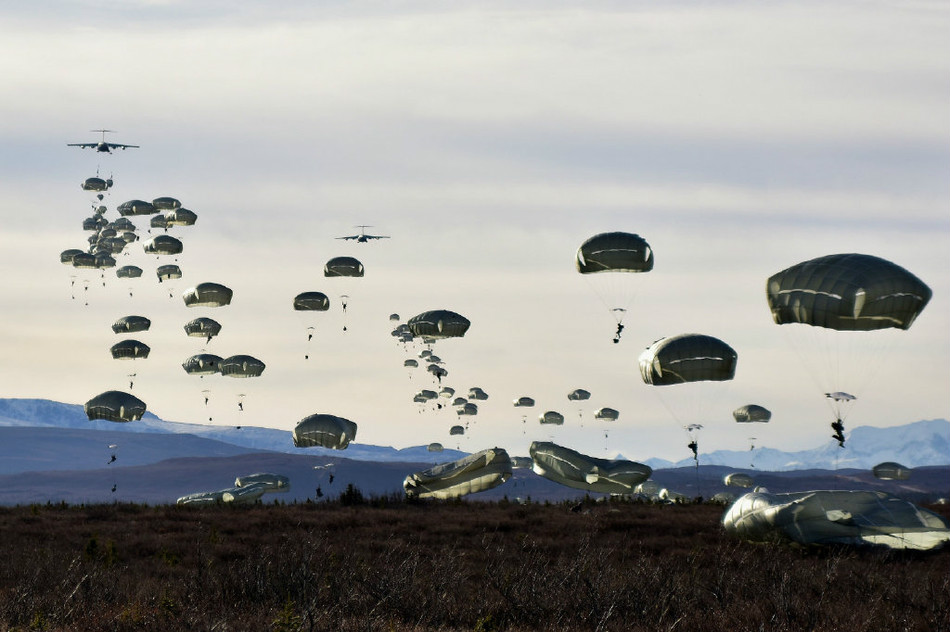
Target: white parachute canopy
{"type": "Point", "coordinates": [836, 517]}
{"type": "Point", "coordinates": [474, 473]}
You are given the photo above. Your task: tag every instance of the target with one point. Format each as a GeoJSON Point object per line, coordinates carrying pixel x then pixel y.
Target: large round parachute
{"type": "Point", "coordinates": [326, 431]}
{"type": "Point", "coordinates": [607, 414]}
{"type": "Point", "coordinates": [578, 395]}
{"type": "Point", "coordinates": [115, 406]}
{"type": "Point", "coordinates": [439, 323]}
{"type": "Point", "coordinates": [474, 473]}
{"type": "Point", "coordinates": [573, 469]}
{"type": "Point", "coordinates": [687, 358]}
{"type": "Point", "coordinates": [136, 207]}
{"type": "Point", "coordinates": [163, 245]}
{"type": "Point", "coordinates": [752, 413]}
{"type": "Point", "coordinates": [131, 324]}
{"type": "Point", "coordinates": [847, 292]}
{"type": "Point", "coordinates": [891, 471]}
{"type": "Point", "coordinates": [165, 204]}
{"type": "Point", "coordinates": [609, 261]}
{"type": "Point", "coordinates": [241, 366]}
{"type": "Point", "coordinates": [128, 272]}
{"type": "Point", "coordinates": [311, 302]}
{"type": "Point", "coordinates": [168, 272]}
{"type": "Point", "coordinates": [129, 350]}
{"type": "Point", "coordinates": [343, 267]}
{"type": "Point", "coordinates": [202, 364]}
{"type": "Point", "coordinates": [525, 402]}
{"type": "Point", "coordinates": [551, 417]}
{"type": "Point", "coordinates": [208, 295]}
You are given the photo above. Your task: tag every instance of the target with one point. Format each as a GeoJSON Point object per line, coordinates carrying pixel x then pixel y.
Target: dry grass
{"type": "Point", "coordinates": [382, 564]}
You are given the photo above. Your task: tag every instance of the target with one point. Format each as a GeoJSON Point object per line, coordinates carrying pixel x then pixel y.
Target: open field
{"type": "Point", "coordinates": [384, 564]}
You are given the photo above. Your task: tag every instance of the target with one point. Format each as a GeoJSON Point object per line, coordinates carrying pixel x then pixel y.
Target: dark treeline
{"type": "Point", "coordinates": [383, 564]}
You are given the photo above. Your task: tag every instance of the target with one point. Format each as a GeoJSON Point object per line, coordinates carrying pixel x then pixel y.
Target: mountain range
{"type": "Point", "coordinates": [50, 452]}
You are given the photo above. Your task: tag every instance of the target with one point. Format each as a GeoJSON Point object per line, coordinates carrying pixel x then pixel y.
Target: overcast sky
{"type": "Point", "coordinates": [489, 140]}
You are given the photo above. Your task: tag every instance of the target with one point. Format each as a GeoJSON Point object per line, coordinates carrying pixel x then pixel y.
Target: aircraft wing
{"type": "Point", "coordinates": [118, 146]}
{"type": "Point", "coordinates": [82, 144]}
{"type": "Point", "coordinates": [376, 236]}
{"type": "Point", "coordinates": [349, 237]}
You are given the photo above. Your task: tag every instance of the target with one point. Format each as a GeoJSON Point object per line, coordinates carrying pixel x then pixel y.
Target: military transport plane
{"type": "Point", "coordinates": [102, 145]}
{"type": "Point", "coordinates": [362, 238]}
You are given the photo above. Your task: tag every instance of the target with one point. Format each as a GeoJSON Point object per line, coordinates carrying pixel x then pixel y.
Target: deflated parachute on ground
{"type": "Point", "coordinates": [325, 431]}
{"type": "Point", "coordinates": [836, 517]}
{"type": "Point", "coordinates": [474, 473]}
{"type": "Point", "coordinates": [847, 292]}
{"type": "Point", "coordinates": [687, 358]}
{"type": "Point", "coordinates": [573, 469]}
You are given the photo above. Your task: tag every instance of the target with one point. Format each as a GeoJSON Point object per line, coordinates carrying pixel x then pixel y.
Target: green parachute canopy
{"type": "Point", "coordinates": [687, 358]}
{"type": "Point", "coordinates": [850, 292]}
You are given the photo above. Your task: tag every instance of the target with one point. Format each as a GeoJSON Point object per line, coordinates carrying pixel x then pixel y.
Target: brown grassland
{"type": "Point", "coordinates": [385, 564]}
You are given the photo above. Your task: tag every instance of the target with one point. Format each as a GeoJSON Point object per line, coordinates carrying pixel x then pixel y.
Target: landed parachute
{"type": "Point", "coordinates": [325, 431]}
{"type": "Point", "coordinates": [208, 295]}
{"type": "Point", "coordinates": [439, 323]}
{"type": "Point", "coordinates": [858, 518]}
{"type": "Point", "coordinates": [271, 482]}
{"type": "Point", "coordinates": [573, 469]}
{"type": "Point", "coordinates": [115, 406]}
{"type": "Point", "coordinates": [752, 413]}
{"type": "Point", "coordinates": [474, 473]}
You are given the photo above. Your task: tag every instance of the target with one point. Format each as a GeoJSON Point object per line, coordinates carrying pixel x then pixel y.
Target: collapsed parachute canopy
{"type": "Point", "coordinates": [325, 431]}
{"type": "Point", "coordinates": [311, 302]}
{"type": "Point", "coordinates": [836, 517]}
{"type": "Point", "coordinates": [343, 267]}
{"type": "Point", "coordinates": [687, 358]}
{"type": "Point", "coordinates": [573, 469]}
{"type": "Point", "coordinates": [439, 323]}
{"type": "Point", "coordinates": [752, 413]}
{"type": "Point", "coordinates": [115, 406]}
{"type": "Point", "coordinates": [851, 292]}
{"type": "Point", "coordinates": [474, 473]}
{"type": "Point", "coordinates": [208, 295]}
{"type": "Point", "coordinates": [614, 252]}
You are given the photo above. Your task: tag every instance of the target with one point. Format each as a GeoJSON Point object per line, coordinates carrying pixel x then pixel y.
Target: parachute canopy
{"type": "Point", "coordinates": [439, 323]}
{"type": "Point", "coordinates": [135, 207]}
{"type": "Point", "coordinates": [325, 431]}
{"type": "Point", "coordinates": [208, 295]}
{"type": "Point", "coordinates": [165, 204]}
{"type": "Point", "coordinates": [477, 393]}
{"type": "Point", "coordinates": [241, 366]}
{"type": "Point", "coordinates": [343, 267]}
{"type": "Point", "coordinates": [202, 364]}
{"type": "Point", "coordinates": [434, 447]}
{"type": "Point", "coordinates": [311, 302]}
{"type": "Point", "coordinates": [129, 350]}
{"type": "Point", "coordinates": [578, 394]}
{"type": "Point", "coordinates": [551, 417]}
{"type": "Point", "coordinates": [752, 413]}
{"type": "Point", "coordinates": [168, 272]}
{"type": "Point", "coordinates": [474, 473]}
{"type": "Point", "coordinates": [203, 328]}
{"type": "Point", "coordinates": [847, 292]}
{"type": "Point", "coordinates": [115, 406]}
{"type": "Point", "coordinates": [891, 471]}
{"type": "Point", "coordinates": [614, 252]}
{"type": "Point", "coordinates": [836, 517]}
{"type": "Point", "coordinates": [131, 324]}
{"type": "Point", "coordinates": [687, 358]}
{"type": "Point", "coordinates": [163, 245]}
{"type": "Point", "coordinates": [129, 272]}
{"type": "Point", "coordinates": [525, 402]}
{"type": "Point", "coordinates": [456, 430]}
{"type": "Point", "coordinates": [738, 479]}
{"type": "Point", "coordinates": [272, 482]}
{"type": "Point", "coordinates": [606, 414]}
{"type": "Point", "coordinates": [573, 469]}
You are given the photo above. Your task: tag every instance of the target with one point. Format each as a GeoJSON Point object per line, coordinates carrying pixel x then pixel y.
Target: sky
{"type": "Point", "coordinates": [489, 140]}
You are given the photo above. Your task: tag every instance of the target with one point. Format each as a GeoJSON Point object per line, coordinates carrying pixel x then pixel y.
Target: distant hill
{"type": "Point", "coordinates": [45, 413]}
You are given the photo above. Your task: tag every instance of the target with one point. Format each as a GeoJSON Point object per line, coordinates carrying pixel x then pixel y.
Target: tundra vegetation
{"type": "Point", "coordinates": [384, 563]}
